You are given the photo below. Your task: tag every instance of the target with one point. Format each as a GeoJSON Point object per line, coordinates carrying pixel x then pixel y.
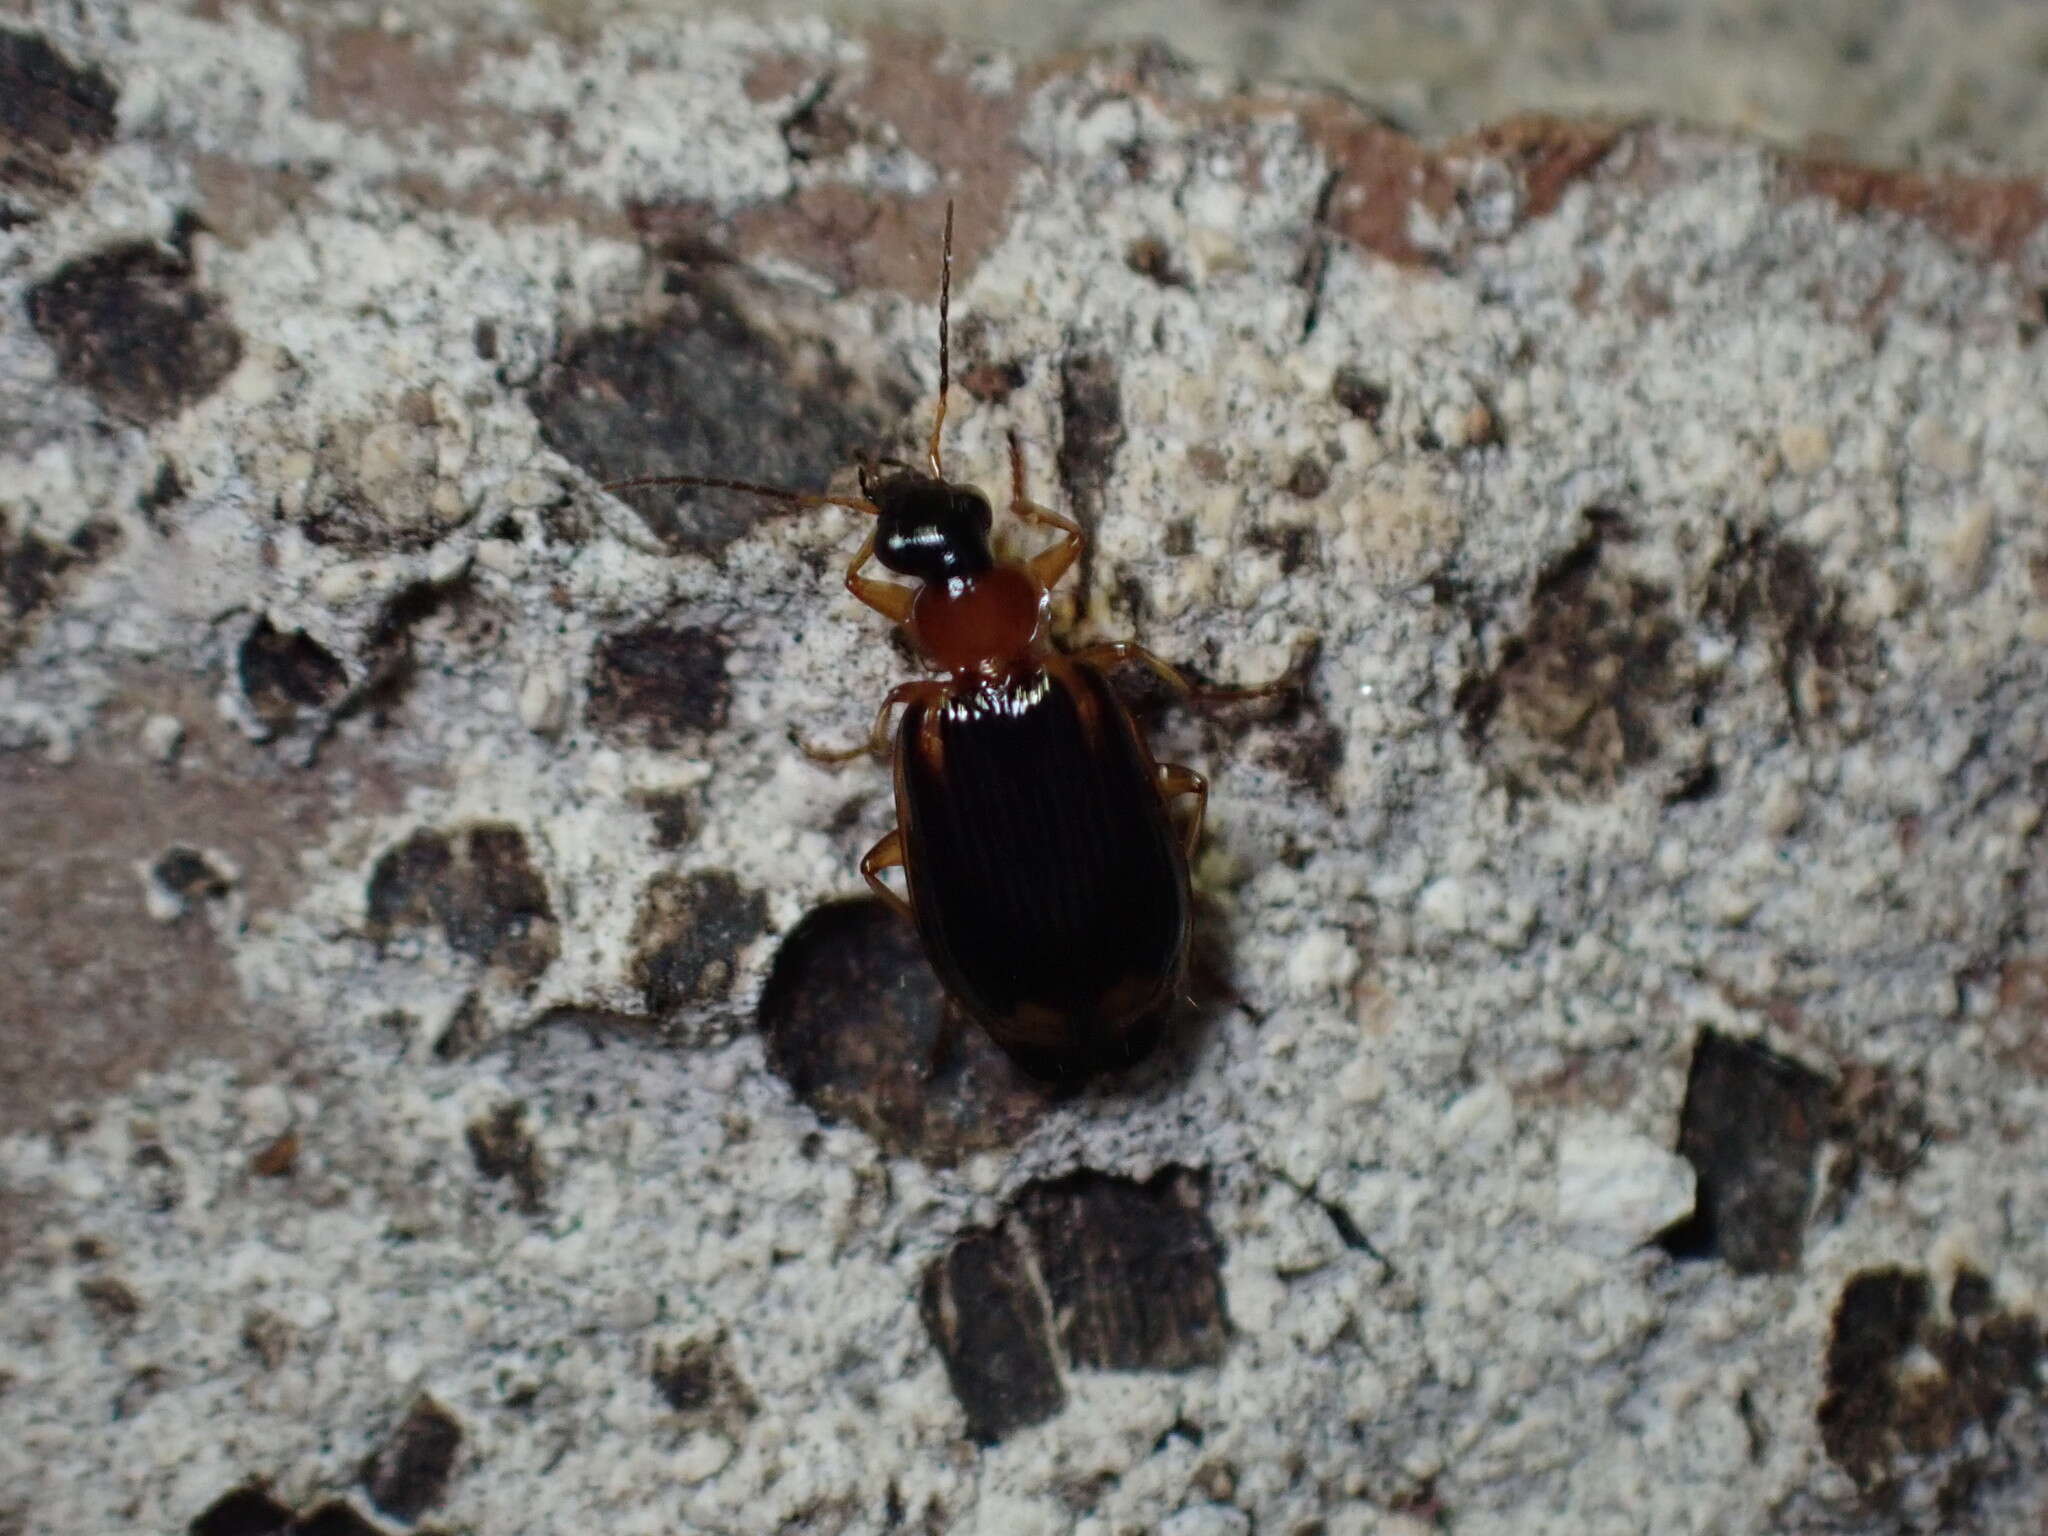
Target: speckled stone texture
{"type": "Point", "coordinates": [453, 1079]}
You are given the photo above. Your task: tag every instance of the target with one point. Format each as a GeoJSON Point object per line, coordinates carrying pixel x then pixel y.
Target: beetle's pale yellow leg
{"type": "Point", "coordinates": [887, 854]}
{"type": "Point", "coordinates": [1174, 780]}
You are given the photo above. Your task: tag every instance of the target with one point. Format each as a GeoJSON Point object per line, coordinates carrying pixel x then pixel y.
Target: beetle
{"type": "Point", "coordinates": [1046, 874]}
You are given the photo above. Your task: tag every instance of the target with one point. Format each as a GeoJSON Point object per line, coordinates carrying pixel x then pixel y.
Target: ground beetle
{"type": "Point", "coordinates": [1046, 875]}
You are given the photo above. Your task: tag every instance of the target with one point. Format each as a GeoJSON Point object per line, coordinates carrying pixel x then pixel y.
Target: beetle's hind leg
{"type": "Point", "coordinates": [944, 1054]}
{"type": "Point", "coordinates": [887, 854]}
{"type": "Point", "coordinates": [1174, 781]}
{"type": "Point", "coordinates": [1048, 565]}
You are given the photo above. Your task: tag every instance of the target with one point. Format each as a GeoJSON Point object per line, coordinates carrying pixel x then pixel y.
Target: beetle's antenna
{"type": "Point", "coordinates": [773, 492]}
{"type": "Point", "coordinates": [945, 362]}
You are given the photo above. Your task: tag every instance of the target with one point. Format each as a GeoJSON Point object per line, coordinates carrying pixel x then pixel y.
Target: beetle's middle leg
{"type": "Point", "coordinates": [1115, 653]}
{"type": "Point", "coordinates": [1175, 780]}
{"type": "Point", "coordinates": [887, 854]}
{"type": "Point", "coordinates": [877, 744]}
{"type": "Point", "coordinates": [1048, 565]}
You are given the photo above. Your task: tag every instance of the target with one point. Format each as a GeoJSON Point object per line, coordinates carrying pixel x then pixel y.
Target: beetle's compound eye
{"type": "Point", "coordinates": [972, 509]}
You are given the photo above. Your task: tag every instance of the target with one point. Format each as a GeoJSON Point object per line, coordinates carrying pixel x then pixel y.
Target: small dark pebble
{"type": "Point", "coordinates": [410, 1474]}
{"type": "Point", "coordinates": [242, 1512]}
{"type": "Point", "coordinates": [984, 1312]}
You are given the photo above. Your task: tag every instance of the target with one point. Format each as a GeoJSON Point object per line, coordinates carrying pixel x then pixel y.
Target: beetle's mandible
{"type": "Point", "coordinates": [1046, 874]}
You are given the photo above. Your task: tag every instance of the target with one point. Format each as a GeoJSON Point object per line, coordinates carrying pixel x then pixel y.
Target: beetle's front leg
{"type": "Point", "coordinates": [891, 599]}
{"type": "Point", "coordinates": [1048, 565]}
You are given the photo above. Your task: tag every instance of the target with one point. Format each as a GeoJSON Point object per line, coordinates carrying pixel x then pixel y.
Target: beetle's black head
{"type": "Point", "coordinates": [931, 529]}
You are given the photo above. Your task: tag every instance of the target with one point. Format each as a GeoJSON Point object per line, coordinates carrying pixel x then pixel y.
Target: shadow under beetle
{"type": "Point", "coordinates": [1047, 878]}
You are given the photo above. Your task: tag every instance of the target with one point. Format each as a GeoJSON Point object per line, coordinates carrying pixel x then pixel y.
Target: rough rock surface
{"type": "Point", "coordinates": [444, 1082]}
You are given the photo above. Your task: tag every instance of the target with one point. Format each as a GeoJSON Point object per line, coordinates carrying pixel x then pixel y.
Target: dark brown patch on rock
{"type": "Point", "coordinates": [242, 1512]}
{"type": "Point", "coordinates": [419, 604]}
{"type": "Point", "coordinates": [50, 110]}
{"type": "Point", "coordinates": [503, 1148]}
{"type": "Point", "coordinates": [1577, 699]}
{"type": "Point", "coordinates": [815, 129]}
{"type": "Point", "coordinates": [907, 94]}
{"type": "Point", "coordinates": [409, 1475]}
{"type": "Point", "coordinates": [701, 1386]}
{"type": "Point", "coordinates": [1969, 1295]}
{"type": "Point", "coordinates": [1383, 176]}
{"type": "Point", "coordinates": [854, 1019]}
{"type": "Point", "coordinates": [277, 1157]}
{"type": "Point", "coordinates": [131, 326]}
{"type": "Point", "coordinates": [1884, 1421]}
{"type": "Point", "coordinates": [467, 1031]}
{"type": "Point", "coordinates": [188, 873]}
{"type": "Point", "coordinates": [414, 83]}
{"type": "Point", "coordinates": [1091, 425]}
{"type": "Point", "coordinates": [1309, 478]}
{"type": "Point", "coordinates": [81, 943]}
{"type": "Point", "coordinates": [1878, 1122]}
{"type": "Point", "coordinates": [1149, 257]}
{"type": "Point", "coordinates": [688, 937]}
{"type": "Point", "coordinates": [1133, 1271]}
{"type": "Point", "coordinates": [1358, 394]}
{"type": "Point", "coordinates": [1764, 582]}
{"type": "Point", "coordinates": [702, 391]}
{"type": "Point", "coordinates": [1876, 1321]}
{"type": "Point", "coordinates": [478, 886]}
{"type": "Point", "coordinates": [1091, 433]}
{"type": "Point", "coordinates": [657, 685]}
{"type": "Point", "coordinates": [1987, 1358]}
{"type": "Point", "coordinates": [978, 368]}
{"type": "Point", "coordinates": [776, 76]}
{"type": "Point", "coordinates": [34, 572]}
{"type": "Point", "coordinates": [337, 1518]}
{"type": "Point", "coordinates": [395, 82]}
{"type": "Point", "coordinates": [284, 673]}
{"type": "Point", "coordinates": [239, 203]}
{"type": "Point", "coordinates": [674, 817]}
{"type": "Point", "coordinates": [1988, 216]}
{"type": "Point", "coordinates": [269, 1336]}
{"type": "Point", "coordinates": [982, 1307]}
{"type": "Point", "coordinates": [1752, 1128]}
{"type": "Point", "coordinates": [1293, 543]}
{"type": "Point", "coordinates": [1312, 755]}
{"type": "Point", "coordinates": [112, 1300]}
{"type": "Point", "coordinates": [1546, 155]}
{"type": "Point", "coordinates": [993, 383]}
{"type": "Point", "coordinates": [189, 878]}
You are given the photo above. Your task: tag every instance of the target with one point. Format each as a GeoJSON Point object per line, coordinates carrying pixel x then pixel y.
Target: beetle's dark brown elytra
{"type": "Point", "coordinates": [1046, 874]}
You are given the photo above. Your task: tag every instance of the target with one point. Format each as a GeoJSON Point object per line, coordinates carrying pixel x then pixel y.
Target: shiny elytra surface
{"type": "Point", "coordinates": [1049, 882]}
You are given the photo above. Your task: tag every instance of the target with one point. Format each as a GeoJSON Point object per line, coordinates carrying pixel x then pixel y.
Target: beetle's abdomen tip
{"type": "Point", "coordinates": [1088, 1048]}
